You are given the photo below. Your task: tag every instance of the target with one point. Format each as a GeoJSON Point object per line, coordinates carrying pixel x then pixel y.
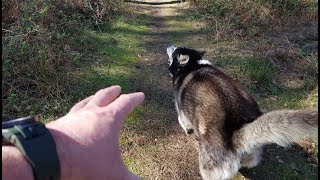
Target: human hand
{"type": "Point", "coordinates": [87, 138]}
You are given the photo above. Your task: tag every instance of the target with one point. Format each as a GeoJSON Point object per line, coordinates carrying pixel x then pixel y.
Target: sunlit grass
{"type": "Point", "coordinates": [311, 101]}
{"type": "Point", "coordinates": [108, 51]}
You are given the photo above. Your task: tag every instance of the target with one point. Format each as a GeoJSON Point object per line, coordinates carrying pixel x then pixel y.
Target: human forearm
{"type": "Point", "coordinates": [14, 165]}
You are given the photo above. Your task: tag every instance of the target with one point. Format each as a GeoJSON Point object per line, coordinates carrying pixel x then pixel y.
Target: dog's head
{"type": "Point", "coordinates": [183, 57]}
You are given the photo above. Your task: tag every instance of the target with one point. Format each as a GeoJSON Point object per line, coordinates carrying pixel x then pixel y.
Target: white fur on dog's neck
{"type": "Point", "coordinates": [203, 61]}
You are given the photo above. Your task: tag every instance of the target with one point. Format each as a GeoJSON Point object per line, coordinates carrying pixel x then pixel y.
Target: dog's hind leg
{"type": "Point", "coordinates": [220, 167]}
{"type": "Point", "coordinates": [223, 172]}
{"type": "Point", "coordinates": [252, 159]}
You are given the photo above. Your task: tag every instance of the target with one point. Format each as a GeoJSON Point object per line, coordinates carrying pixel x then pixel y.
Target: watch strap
{"type": "Point", "coordinates": [37, 145]}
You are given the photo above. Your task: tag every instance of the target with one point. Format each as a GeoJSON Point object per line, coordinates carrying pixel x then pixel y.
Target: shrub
{"type": "Point", "coordinates": [37, 59]}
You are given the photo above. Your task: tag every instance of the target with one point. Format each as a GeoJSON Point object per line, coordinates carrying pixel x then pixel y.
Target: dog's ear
{"type": "Point", "coordinates": [183, 59]}
{"type": "Point", "coordinates": [201, 53]}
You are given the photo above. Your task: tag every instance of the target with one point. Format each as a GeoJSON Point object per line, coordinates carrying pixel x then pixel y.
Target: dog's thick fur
{"type": "Point", "coordinates": [225, 119]}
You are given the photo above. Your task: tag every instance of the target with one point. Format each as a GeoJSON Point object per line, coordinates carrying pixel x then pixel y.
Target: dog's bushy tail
{"type": "Point", "coordinates": [282, 127]}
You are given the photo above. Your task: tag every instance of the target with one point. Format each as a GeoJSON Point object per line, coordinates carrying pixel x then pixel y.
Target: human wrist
{"type": "Point", "coordinates": [15, 165]}
{"type": "Point", "coordinates": [63, 151]}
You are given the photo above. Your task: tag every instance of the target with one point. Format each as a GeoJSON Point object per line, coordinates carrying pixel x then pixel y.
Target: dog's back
{"type": "Point", "coordinates": [225, 119]}
{"type": "Point", "coordinates": [216, 104]}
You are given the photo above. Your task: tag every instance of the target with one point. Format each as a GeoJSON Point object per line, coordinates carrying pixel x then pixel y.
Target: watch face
{"type": "Point", "coordinates": [20, 121]}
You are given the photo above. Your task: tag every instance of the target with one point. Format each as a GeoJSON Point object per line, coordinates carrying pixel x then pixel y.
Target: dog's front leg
{"type": "Point", "coordinates": [184, 122]}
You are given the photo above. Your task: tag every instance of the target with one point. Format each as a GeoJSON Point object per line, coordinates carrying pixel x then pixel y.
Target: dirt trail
{"type": "Point", "coordinates": [157, 148]}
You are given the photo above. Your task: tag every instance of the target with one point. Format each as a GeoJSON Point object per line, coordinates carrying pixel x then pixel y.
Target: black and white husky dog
{"type": "Point", "coordinates": [225, 119]}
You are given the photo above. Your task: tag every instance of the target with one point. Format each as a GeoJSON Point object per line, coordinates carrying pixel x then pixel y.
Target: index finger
{"type": "Point", "coordinates": [105, 96]}
{"type": "Point", "coordinates": [125, 103]}
{"type": "Point", "coordinates": [80, 104]}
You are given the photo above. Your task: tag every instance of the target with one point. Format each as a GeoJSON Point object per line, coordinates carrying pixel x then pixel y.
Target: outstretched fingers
{"type": "Point", "coordinates": [105, 96]}
{"type": "Point", "coordinates": [80, 104]}
{"type": "Point", "coordinates": [125, 104]}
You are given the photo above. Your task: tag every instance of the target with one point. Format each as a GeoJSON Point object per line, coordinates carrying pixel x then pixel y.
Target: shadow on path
{"type": "Point", "coordinates": [154, 3]}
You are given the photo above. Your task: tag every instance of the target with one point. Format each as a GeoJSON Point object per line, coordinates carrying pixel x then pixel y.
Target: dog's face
{"type": "Point", "coordinates": [181, 57]}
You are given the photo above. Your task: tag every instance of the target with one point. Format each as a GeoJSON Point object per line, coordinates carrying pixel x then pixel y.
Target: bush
{"type": "Point", "coordinates": [249, 17]}
{"type": "Point", "coordinates": [37, 59]}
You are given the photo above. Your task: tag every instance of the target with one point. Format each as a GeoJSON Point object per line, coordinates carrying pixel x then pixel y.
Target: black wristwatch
{"type": "Point", "coordinates": [36, 143]}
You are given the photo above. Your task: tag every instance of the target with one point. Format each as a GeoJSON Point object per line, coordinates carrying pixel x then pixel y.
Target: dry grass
{"type": "Point", "coordinates": [238, 39]}
{"type": "Point", "coordinates": [38, 60]}
{"type": "Point", "coordinates": [251, 40]}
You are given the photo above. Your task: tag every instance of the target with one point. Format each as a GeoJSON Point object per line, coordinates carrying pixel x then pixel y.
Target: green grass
{"type": "Point", "coordinates": [135, 118]}
{"type": "Point", "coordinates": [280, 163]}
{"type": "Point", "coordinates": [116, 49]}
{"type": "Point", "coordinates": [103, 56]}
{"type": "Point", "coordinates": [133, 164]}
{"type": "Point", "coordinates": [258, 71]}
{"type": "Point", "coordinates": [283, 98]}
{"type": "Point", "coordinates": [312, 99]}
{"type": "Point", "coordinates": [257, 75]}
